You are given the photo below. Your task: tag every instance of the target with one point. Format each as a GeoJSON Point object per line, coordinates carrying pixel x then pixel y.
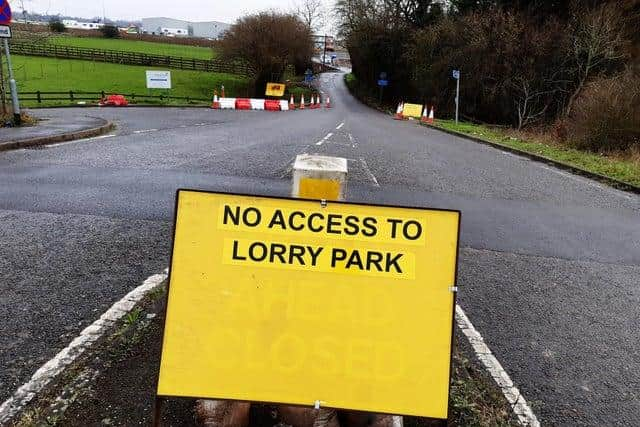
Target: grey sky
{"type": "Point", "coordinates": [194, 10]}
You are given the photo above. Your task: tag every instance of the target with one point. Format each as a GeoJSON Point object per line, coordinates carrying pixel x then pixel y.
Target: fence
{"type": "Point", "coordinates": [19, 47]}
{"type": "Point", "coordinates": [73, 96]}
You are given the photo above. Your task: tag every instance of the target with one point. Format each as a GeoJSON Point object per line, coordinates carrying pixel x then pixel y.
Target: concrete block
{"type": "Point", "coordinates": [319, 177]}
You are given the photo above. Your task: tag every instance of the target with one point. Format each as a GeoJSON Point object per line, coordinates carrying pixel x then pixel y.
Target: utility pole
{"type": "Point", "coordinates": [14, 88]}
{"type": "Point", "coordinates": [324, 53]}
{"type": "Point", "coordinates": [456, 75]}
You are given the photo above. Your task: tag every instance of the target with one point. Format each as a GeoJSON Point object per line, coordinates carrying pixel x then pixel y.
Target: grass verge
{"type": "Point", "coordinates": [621, 169]}
{"type": "Point", "coordinates": [151, 48]}
{"type": "Point", "coordinates": [62, 75]}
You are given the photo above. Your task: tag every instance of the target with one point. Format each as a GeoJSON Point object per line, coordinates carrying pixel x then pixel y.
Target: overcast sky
{"type": "Point", "coordinates": [192, 10]}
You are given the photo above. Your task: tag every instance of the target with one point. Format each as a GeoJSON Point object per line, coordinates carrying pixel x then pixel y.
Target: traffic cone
{"type": "Point", "coordinates": [328, 104]}
{"type": "Point", "coordinates": [312, 104]}
{"type": "Point", "coordinates": [302, 102]}
{"type": "Point", "coordinates": [318, 102]}
{"type": "Point", "coordinates": [425, 114]}
{"type": "Point", "coordinates": [399, 115]}
{"type": "Point", "coordinates": [216, 102]}
{"type": "Point", "coordinates": [292, 103]}
{"type": "Point", "coordinates": [432, 118]}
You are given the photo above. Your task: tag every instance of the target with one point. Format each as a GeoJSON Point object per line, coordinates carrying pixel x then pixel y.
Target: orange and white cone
{"type": "Point", "coordinates": [292, 103]}
{"type": "Point", "coordinates": [312, 103]}
{"type": "Point", "coordinates": [318, 102]}
{"type": "Point", "coordinates": [328, 104]}
{"type": "Point", "coordinates": [398, 115]}
{"type": "Point", "coordinates": [432, 118]}
{"type": "Point", "coordinates": [425, 114]}
{"type": "Point", "coordinates": [302, 102]}
{"type": "Point", "coordinates": [216, 102]}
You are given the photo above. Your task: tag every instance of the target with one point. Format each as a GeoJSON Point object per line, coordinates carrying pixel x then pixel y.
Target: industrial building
{"type": "Point", "coordinates": [178, 28]}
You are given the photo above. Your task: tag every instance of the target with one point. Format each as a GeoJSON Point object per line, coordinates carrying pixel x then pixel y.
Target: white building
{"type": "Point", "coordinates": [70, 23]}
{"type": "Point", "coordinates": [176, 28]}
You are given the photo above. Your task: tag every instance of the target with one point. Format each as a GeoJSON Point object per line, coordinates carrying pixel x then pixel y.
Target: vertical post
{"type": "Point", "coordinates": [14, 88]}
{"type": "Point", "coordinates": [39, 96]}
{"type": "Point", "coordinates": [457, 97]}
{"type": "Point", "coordinates": [3, 93]}
{"type": "Point", "coordinates": [324, 53]}
{"type": "Point", "coordinates": [319, 177]}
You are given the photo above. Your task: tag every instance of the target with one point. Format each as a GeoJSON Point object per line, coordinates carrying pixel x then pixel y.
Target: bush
{"type": "Point", "coordinates": [269, 42]}
{"type": "Point", "coordinates": [110, 32]}
{"type": "Point", "coordinates": [56, 26]}
{"type": "Point", "coordinates": [606, 116]}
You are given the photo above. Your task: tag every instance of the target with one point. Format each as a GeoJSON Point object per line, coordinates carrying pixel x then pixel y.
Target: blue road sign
{"type": "Point", "coordinates": [308, 76]}
{"type": "Point", "coordinates": [5, 13]}
{"type": "Point", "coordinates": [456, 74]}
{"type": "Point", "coordinates": [382, 82]}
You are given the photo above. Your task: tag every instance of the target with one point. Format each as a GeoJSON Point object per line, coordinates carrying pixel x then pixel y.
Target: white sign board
{"type": "Point", "coordinates": [158, 79]}
{"type": "Point", "coordinates": [5, 32]}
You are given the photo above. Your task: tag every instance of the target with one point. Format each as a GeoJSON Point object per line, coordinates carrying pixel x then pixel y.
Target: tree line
{"type": "Point", "coordinates": [571, 64]}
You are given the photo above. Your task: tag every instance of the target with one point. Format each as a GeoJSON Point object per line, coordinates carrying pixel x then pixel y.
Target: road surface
{"type": "Point", "coordinates": [550, 262]}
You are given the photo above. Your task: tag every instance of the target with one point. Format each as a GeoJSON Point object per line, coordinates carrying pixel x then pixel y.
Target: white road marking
{"type": "Point", "coordinates": [340, 126]}
{"type": "Point", "coordinates": [59, 144]}
{"type": "Point", "coordinates": [92, 333]}
{"type": "Point", "coordinates": [520, 407]}
{"type": "Point", "coordinates": [354, 144]}
{"type": "Point", "coordinates": [145, 130]}
{"type": "Point", "coordinates": [372, 177]}
{"type": "Point", "coordinates": [323, 140]}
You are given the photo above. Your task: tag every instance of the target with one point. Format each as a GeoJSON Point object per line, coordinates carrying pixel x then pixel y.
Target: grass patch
{"type": "Point", "coordinates": [62, 75]}
{"type": "Point", "coordinates": [164, 49]}
{"type": "Point", "coordinates": [617, 167]}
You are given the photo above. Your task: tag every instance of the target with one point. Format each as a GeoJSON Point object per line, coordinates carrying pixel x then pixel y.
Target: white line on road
{"type": "Point", "coordinates": [59, 144]}
{"type": "Point", "coordinates": [354, 144]}
{"type": "Point", "coordinates": [340, 126]}
{"type": "Point", "coordinates": [323, 140]}
{"type": "Point", "coordinates": [372, 177]}
{"type": "Point", "coordinates": [520, 407]}
{"type": "Point", "coordinates": [145, 130]}
{"type": "Point", "coordinates": [89, 336]}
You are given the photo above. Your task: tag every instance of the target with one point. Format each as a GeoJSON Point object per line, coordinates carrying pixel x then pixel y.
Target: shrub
{"type": "Point", "coordinates": [269, 42]}
{"type": "Point", "coordinates": [606, 116]}
{"type": "Point", "coordinates": [110, 32]}
{"type": "Point", "coordinates": [56, 26]}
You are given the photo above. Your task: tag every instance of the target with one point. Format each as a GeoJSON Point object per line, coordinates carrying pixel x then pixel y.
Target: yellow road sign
{"type": "Point", "coordinates": [412, 110]}
{"type": "Point", "coordinates": [275, 89]}
{"type": "Point", "coordinates": [290, 301]}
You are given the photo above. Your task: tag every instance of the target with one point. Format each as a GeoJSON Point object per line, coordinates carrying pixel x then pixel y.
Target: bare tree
{"type": "Point", "coordinates": [598, 40]}
{"type": "Point", "coordinates": [312, 13]}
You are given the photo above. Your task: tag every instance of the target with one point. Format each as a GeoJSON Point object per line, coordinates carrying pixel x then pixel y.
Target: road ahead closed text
{"type": "Point", "coordinates": [289, 301]}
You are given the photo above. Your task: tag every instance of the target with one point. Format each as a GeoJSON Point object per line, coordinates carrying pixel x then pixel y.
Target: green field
{"type": "Point", "coordinates": [61, 75]}
{"type": "Point", "coordinates": [151, 48]}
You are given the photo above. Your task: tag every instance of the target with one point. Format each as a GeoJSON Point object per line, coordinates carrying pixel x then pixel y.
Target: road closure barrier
{"type": "Point", "coordinates": [243, 104]}
{"type": "Point", "coordinates": [227, 103]}
{"type": "Point", "coordinates": [272, 104]}
{"type": "Point", "coordinates": [258, 104]}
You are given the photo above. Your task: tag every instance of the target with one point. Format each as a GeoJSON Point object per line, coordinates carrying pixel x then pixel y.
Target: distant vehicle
{"type": "Point", "coordinates": [173, 32]}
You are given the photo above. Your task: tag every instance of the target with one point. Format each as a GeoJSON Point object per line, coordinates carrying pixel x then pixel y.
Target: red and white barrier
{"type": "Point", "coordinates": [267, 104]}
{"type": "Point", "coordinates": [227, 103]}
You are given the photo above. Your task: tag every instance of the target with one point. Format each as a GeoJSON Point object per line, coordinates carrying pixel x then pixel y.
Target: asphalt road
{"type": "Point", "coordinates": [550, 262]}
